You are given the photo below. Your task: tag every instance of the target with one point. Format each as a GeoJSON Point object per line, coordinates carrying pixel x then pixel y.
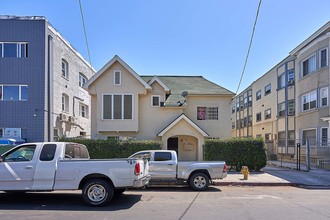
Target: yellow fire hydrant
{"type": "Point", "coordinates": [245, 172]}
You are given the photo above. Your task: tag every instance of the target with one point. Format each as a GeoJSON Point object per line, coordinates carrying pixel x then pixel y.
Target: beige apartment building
{"type": "Point", "coordinates": [180, 111]}
{"type": "Point", "coordinates": [290, 103]}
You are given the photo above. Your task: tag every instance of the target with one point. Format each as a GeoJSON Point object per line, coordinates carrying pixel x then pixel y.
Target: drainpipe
{"type": "Point", "coordinates": [50, 104]}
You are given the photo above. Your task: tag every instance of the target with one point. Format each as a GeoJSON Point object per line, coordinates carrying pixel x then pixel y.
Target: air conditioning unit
{"type": "Point", "coordinates": [291, 112]}
{"type": "Point", "coordinates": [64, 117]}
{"type": "Point", "coordinates": [72, 120]}
{"type": "Point", "coordinates": [290, 82]}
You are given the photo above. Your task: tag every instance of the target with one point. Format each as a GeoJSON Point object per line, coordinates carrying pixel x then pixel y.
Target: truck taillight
{"type": "Point", "coordinates": [225, 168]}
{"type": "Point", "coordinates": [137, 169]}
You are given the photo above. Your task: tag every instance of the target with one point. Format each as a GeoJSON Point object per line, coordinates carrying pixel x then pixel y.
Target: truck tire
{"type": "Point", "coordinates": [97, 192]}
{"type": "Point", "coordinates": [199, 181]}
{"type": "Point", "coordinates": [119, 192]}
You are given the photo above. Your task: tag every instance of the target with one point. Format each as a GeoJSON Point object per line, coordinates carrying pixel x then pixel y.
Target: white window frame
{"type": "Point", "coordinates": [309, 100]}
{"type": "Point", "coordinates": [324, 94]}
{"type": "Point", "coordinates": [211, 113]}
{"type": "Point", "coordinates": [18, 49]}
{"type": "Point", "coordinates": [83, 110]}
{"type": "Point", "coordinates": [266, 89]}
{"type": "Point", "coordinates": [302, 65]}
{"type": "Point", "coordinates": [114, 77]}
{"type": "Point", "coordinates": [65, 70]}
{"type": "Point", "coordinates": [122, 105]}
{"type": "Point", "coordinates": [65, 103]}
{"type": "Point", "coordinates": [320, 60]}
{"type": "Point", "coordinates": [152, 100]}
{"type": "Point", "coordinates": [82, 79]}
{"type": "Point", "coordinates": [20, 98]}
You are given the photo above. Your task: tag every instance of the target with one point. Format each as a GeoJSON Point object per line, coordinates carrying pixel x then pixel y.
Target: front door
{"type": "Point", "coordinates": [17, 168]}
{"type": "Point", "coordinates": [173, 144]}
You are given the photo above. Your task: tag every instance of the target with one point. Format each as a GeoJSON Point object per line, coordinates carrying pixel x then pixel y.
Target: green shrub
{"type": "Point", "coordinates": [237, 152]}
{"type": "Point", "coordinates": [107, 149]}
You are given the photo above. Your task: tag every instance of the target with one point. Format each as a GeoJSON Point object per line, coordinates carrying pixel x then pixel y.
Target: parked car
{"type": "Point", "coordinates": [164, 166]}
{"type": "Point", "coordinates": [52, 166]}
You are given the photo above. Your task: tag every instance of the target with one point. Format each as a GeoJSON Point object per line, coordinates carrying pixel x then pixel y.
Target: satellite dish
{"type": "Point", "coordinates": [184, 94]}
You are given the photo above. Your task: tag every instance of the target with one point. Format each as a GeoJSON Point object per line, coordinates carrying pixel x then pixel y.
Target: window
{"type": "Point", "coordinates": [65, 102]}
{"type": "Point", "coordinates": [76, 151]}
{"type": "Point", "coordinates": [268, 114]}
{"type": "Point", "coordinates": [13, 49]}
{"type": "Point", "coordinates": [162, 156]}
{"type": "Point", "coordinates": [258, 95]}
{"type": "Point", "coordinates": [13, 92]}
{"type": "Point", "coordinates": [117, 106]}
{"type": "Point", "coordinates": [48, 152]}
{"type": "Point", "coordinates": [65, 69]}
{"type": "Point", "coordinates": [324, 96]}
{"type": "Point", "coordinates": [291, 77]}
{"type": "Point", "coordinates": [246, 103]}
{"type": "Point", "coordinates": [82, 79]}
{"type": "Point", "coordinates": [291, 108]}
{"type": "Point", "coordinates": [250, 120]}
{"type": "Point", "coordinates": [233, 125]}
{"type": "Point", "coordinates": [281, 81]}
{"type": "Point", "coordinates": [281, 139]}
{"type": "Point", "coordinates": [323, 57]}
{"type": "Point", "coordinates": [309, 101]}
{"type": "Point", "coordinates": [155, 100]}
{"type": "Point", "coordinates": [324, 136]}
{"type": "Point", "coordinates": [291, 139]}
{"type": "Point", "coordinates": [237, 105]}
{"type": "Point", "coordinates": [309, 65]}
{"type": "Point", "coordinates": [268, 89]}
{"type": "Point", "coordinates": [250, 100]}
{"type": "Point", "coordinates": [207, 113]}
{"type": "Point", "coordinates": [268, 137]}
{"type": "Point", "coordinates": [83, 110]}
{"type": "Point", "coordinates": [281, 109]}
{"type": "Point", "coordinates": [1, 132]}
{"type": "Point", "coordinates": [258, 116]}
{"type": "Point", "coordinates": [117, 77]}
{"type": "Point", "coordinates": [24, 153]}
{"type": "Point", "coordinates": [233, 109]}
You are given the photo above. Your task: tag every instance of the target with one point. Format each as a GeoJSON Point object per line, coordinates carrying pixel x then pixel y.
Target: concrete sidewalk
{"type": "Point", "coordinates": [276, 174]}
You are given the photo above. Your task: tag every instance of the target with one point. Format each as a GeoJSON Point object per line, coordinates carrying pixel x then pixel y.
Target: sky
{"type": "Point", "coordinates": [208, 38]}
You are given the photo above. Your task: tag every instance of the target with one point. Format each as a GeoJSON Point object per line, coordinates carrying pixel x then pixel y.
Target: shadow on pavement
{"type": "Point", "coordinates": [176, 188]}
{"type": "Point", "coordinates": [61, 201]}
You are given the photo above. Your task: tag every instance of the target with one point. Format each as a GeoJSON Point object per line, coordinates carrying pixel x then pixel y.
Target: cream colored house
{"type": "Point", "coordinates": [290, 103]}
{"type": "Point", "coordinates": [180, 111]}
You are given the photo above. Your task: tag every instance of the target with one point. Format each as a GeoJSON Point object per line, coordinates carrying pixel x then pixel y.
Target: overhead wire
{"type": "Point", "coordinates": [250, 44]}
{"type": "Point", "coordinates": [83, 21]}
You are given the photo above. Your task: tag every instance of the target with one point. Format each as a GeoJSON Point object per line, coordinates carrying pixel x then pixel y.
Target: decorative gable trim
{"type": "Point", "coordinates": [177, 120]}
{"type": "Point", "coordinates": [155, 78]}
{"type": "Point", "coordinates": [106, 66]}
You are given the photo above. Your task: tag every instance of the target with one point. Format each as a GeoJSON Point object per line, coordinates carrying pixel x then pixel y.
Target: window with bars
{"type": "Point", "coordinates": [207, 113]}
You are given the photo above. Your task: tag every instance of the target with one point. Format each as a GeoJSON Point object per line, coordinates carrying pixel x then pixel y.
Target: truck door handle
{"type": "Point", "coordinates": [29, 167]}
{"type": "Point", "coordinates": [170, 164]}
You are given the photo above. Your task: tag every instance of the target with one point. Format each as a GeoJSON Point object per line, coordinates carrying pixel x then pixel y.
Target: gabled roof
{"type": "Point", "coordinates": [155, 78]}
{"type": "Point", "coordinates": [107, 65]}
{"type": "Point", "coordinates": [177, 120]}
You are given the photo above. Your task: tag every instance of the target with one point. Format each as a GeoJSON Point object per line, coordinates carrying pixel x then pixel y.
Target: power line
{"type": "Point", "coordinates": [248, 53]}
{"type": "Point", "coordinates": [83, 21]}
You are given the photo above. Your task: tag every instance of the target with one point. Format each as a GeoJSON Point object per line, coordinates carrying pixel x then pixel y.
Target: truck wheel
{"type": "Point", "coordinates": [199, 181]}
{"type": "Point", "coordinates": [97, 192]}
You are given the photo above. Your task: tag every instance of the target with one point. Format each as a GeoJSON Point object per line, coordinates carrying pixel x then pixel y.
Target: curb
{"type": "Point", "coordinates": [253, 184]}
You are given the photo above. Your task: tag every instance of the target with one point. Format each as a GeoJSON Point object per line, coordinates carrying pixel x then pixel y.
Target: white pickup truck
{"type": "Point", "coordinates": [52, 166]}
{"type": "Point", "coordinates": [164, 166]}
